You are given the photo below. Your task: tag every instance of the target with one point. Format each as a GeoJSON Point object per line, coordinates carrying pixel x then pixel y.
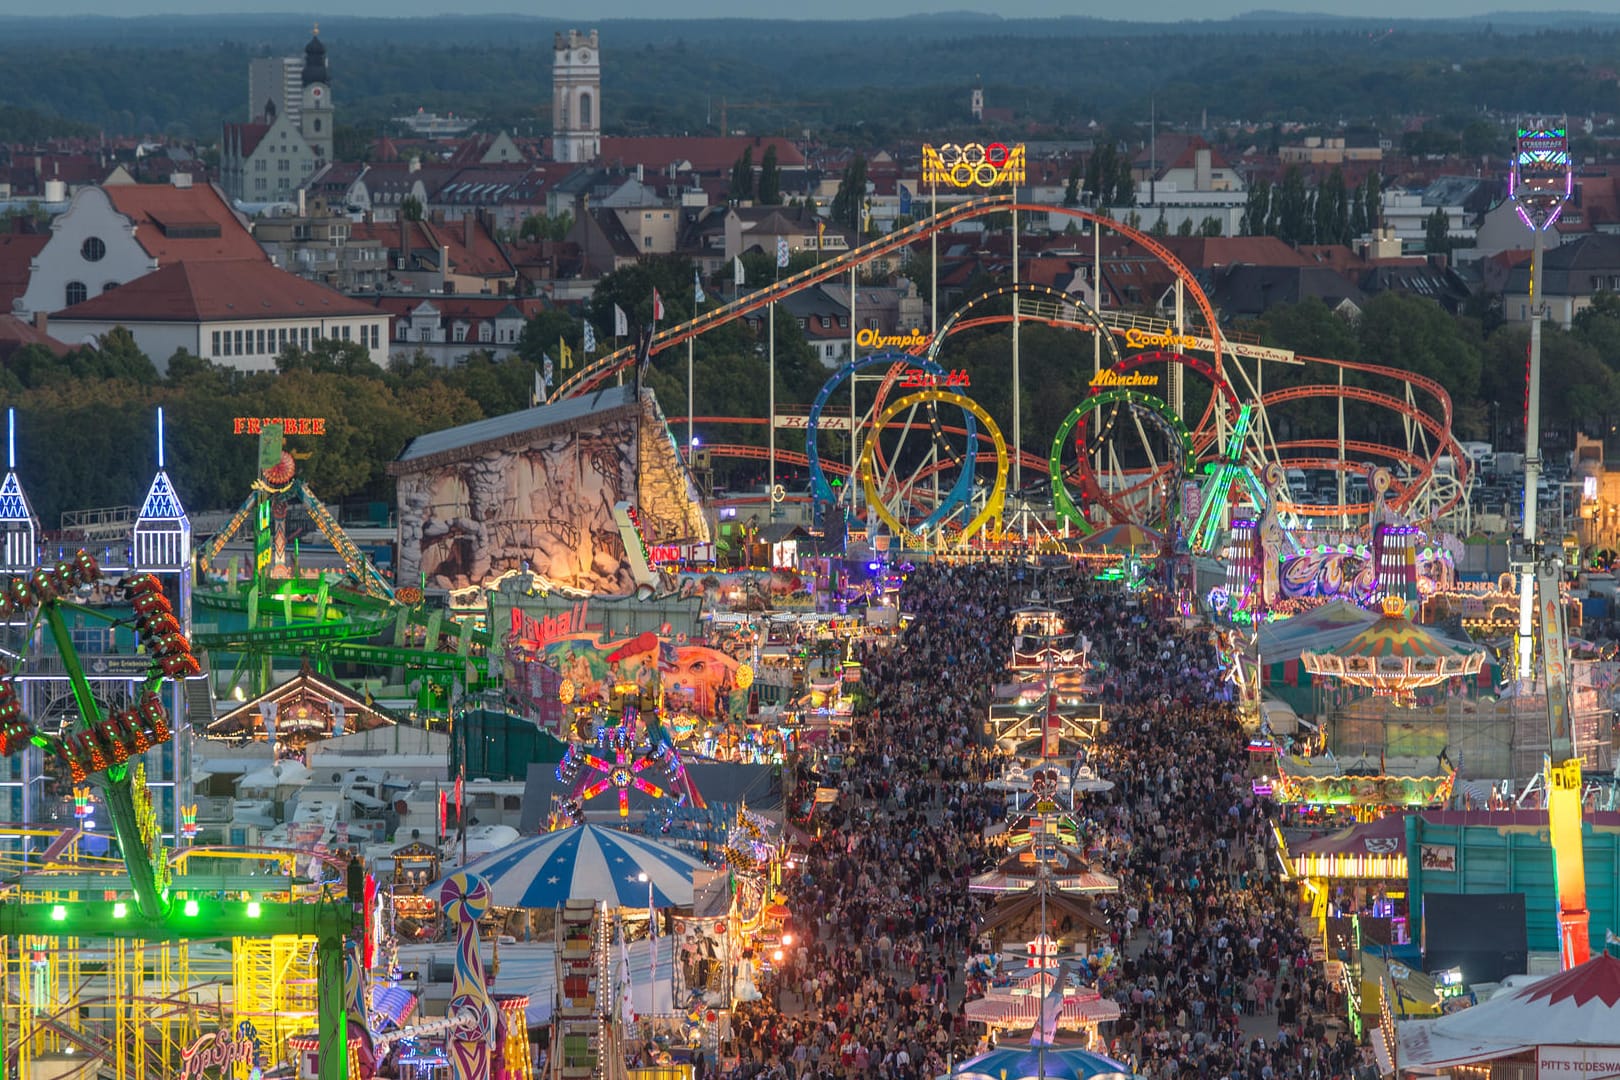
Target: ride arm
{"type": "Point", "coordinates": [1563, 773]}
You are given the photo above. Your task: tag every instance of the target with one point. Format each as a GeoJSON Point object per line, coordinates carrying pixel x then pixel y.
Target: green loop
{"type": "Point", "coordinates": [1062, 502]}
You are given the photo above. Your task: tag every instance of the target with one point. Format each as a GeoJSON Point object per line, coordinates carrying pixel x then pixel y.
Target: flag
{"type": "Point", "coordinates": [337, 718]}
{"type": "Point", "coordinates": [658, 306]}
{"type": "Point", "coordinates": [1045, 1031]}
{"type": "Point", "coordinates": [781, 252]}
{"type": "Point", "coordinates": [905, 199]}
{"type": "Point", "coordinates": [538, 394]}
{"type": "Point", "coordinates": [621, 325]}
{"type": "Point", "coordinates": [697, 288]}
{"type": "Point", "coordinates": [546, 373]}
{"type": "Point", "coordinates": [737, 270]}
{"type": "Point", "coordinates": [821, 232]}
{"type": "Point", "coordinates": [627, 1011]}
{"type": "Point", "coordinates": [652, 950]}
{"type": "Point", "coordinates": [267, 709]}
{"type": "Point", "coordinates": [565, 355]}
{"type": "Point", "coordinates": [590, 338]}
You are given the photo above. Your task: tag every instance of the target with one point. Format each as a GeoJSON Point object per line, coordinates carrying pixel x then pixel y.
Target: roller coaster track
{"type": "Point", "coordinates": [592, 376]}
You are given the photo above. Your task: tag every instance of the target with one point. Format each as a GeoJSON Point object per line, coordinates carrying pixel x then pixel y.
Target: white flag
{"type": "Point", "coordinates": [621, 325]}
{"type": "Point", "coordinates": [337, 718]}
{"type": "Point", "coordinates": [697, 287]}
{"type": "Point", "coordinates": [781, 252]}
{"type": "Point", "coordinates": [590, 338]}
{"type": "Point", "coordinates": [1046, 1024]}
{"type": "Point", "coordinates": [267, 709]}
{"type": "Point", "coordinates": [737, 271]}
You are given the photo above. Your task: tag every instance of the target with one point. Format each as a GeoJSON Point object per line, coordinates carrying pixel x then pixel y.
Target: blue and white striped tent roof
{"type": "Point", "coordinates": [586, 862]}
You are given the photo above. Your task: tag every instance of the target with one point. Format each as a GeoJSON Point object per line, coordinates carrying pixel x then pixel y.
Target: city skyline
{"type": "Point", "coordinates": [1167, 11]}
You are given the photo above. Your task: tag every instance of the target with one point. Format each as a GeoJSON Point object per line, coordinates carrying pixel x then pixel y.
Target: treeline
{"type": "Point", "coordinates": [86, 431]}
{"type": "Point", "coordinates": [886, 79]}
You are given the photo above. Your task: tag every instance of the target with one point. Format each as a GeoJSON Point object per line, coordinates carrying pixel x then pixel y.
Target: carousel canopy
{"type": "Point", "coordinates": [1393, 655]}
{"type": "Point", "coordinates": [1127, 536]}
{"type": "Point", "coordinates": [1030, 1063]}
{"type": "Point", "coordinates": [1579, 1007]}
{"type": "Point", "coordinates": [586, 862]}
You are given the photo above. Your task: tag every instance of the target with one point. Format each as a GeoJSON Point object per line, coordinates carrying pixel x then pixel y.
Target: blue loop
{"type": "Point", "coordinates": [821, 490]}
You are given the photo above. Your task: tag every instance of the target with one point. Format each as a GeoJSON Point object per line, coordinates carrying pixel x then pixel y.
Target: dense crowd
{"type": "Point", "coordinates": [1206, 935]}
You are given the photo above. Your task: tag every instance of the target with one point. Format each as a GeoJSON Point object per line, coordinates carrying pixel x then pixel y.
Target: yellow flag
{"type": "Point", "coordinates": [565, 354]}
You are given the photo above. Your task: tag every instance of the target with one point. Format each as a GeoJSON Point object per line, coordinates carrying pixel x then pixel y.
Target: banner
{"type": "Point", "coordinates": [1586, 1062]}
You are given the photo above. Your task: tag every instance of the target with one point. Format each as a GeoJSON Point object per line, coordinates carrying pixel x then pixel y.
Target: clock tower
{"type": "Point", "coordinates": [576, 98]}
{"type": "Point", "coordinates": [315, 118]}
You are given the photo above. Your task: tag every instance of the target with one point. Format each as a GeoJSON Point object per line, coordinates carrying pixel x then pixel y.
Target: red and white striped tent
{"type": "Point", "coordinates": [1571, 1021]}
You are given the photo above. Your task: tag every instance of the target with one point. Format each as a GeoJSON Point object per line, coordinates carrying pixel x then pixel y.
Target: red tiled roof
{"type": "Point", "coordinates": [17, 250]}
{"type": "Point", "coordinates": [18, 333]}
{"type": "Point", "coordinates": [174, 223]}
{"type": "Point", "coordinates": [1202, 252]}
{"type": "Point", "coordinates": [707, 153]}
{"type": "Point", "coordinates": [246, 136]}
{"type": "Point", "coordinates": [212, 291]}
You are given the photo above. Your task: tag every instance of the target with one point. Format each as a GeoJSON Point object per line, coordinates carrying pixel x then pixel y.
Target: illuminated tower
{"type": "Point", "coordinates": [576, 97]}
{"type": "Point", "coordinates": [978, 100]}
{"type": "Point", "coordinates": [1540, 185]}
{"type": "Point", "coordinates": [161, 545]}
{"type": "Point", "coordinates": [21, 784]}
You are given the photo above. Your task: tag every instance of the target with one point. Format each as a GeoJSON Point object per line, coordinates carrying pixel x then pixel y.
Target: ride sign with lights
{"type": "Point", "coordinates": [973, 165]}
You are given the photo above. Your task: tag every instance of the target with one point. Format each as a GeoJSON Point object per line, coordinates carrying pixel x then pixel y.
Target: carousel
{"type": "Point", "coordinates": [1023, 979]}
{"type": "Point", "coordinates": [1394, 657]}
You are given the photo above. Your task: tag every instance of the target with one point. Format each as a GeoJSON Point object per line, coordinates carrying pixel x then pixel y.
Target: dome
{"type": "Point", "coordinates": [315, 60]}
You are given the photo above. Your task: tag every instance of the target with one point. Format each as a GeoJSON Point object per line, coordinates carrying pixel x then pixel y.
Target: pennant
{"type": "Point", "coordinates": [697, 288]}
{"type": "Point", "coordinates": [781, 252]}
{"type": "Point", "coordinates": [621, 325]}
{"type": "Point", "coordinates": [590, 338]}
{"type": "Point", "coordinates": [658, 307]}
{"type": "Point", "coordinates": [737, 270]}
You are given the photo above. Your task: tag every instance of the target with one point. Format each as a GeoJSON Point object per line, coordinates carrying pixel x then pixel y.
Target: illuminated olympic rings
{"type": "Point", "coordinates": [998, 493]}
{"type": "Point", "coordinates": [1062, 502]}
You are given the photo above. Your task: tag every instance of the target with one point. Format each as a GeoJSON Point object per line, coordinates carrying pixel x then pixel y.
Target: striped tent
{"type": "Point", "coordinates": [586, 862]}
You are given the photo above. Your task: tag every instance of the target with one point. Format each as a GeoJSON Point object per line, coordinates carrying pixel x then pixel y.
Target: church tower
{"type": "Point", "coordinates": [576, 98]}
{"type": "Point", "coordinates": [315, 117]}
{"type": "Point", "coordinates": [977, 103]}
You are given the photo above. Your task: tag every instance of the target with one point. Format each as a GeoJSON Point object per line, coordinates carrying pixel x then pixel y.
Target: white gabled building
{"type": "Point", "coordinates": [237, 314]}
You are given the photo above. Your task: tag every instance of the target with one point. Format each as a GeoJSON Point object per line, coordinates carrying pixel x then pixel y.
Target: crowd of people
{"type": "Point", "coordinates": [1204, 935]}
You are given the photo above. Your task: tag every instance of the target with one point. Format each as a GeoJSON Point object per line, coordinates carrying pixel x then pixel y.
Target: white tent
{"type": "Point", "coordinates": [1565, 1014]}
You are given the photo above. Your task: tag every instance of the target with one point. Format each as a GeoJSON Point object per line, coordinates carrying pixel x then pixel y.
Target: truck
{"type": "Point", "coordinates": [1507, 464]}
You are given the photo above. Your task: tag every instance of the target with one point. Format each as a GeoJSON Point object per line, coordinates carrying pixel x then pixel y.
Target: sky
{"type": "Point", "coordinates": [1165, 10]}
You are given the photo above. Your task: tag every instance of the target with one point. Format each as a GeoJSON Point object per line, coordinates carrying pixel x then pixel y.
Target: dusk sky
{"type": "Point", "coordinates": [608, 9]}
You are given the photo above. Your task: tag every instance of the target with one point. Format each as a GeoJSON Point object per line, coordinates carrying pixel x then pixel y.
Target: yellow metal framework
{"type": "Point", "coordinates": [275, 989]}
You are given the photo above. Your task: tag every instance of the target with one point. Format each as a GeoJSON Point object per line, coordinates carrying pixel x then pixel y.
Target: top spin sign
{"type": "Point", "coordinates": [973, 165]}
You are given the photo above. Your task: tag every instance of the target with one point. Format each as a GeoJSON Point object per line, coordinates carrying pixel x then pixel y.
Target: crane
{"type": "Point", "coordinates": [725, 105]}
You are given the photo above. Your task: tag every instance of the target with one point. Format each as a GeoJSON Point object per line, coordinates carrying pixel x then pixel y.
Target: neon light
{"type": "Point", "coordinates": [160, 436]}
{"type": "Point", "coordinates": [290, 425]}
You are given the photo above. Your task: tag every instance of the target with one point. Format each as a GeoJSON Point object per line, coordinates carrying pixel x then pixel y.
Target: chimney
{"type": "Point", "coordinates": [416, 163]}
{"type": "Point", "coordinates": [444, 268]}
{"type": "Point", "coordinates": [301, 203]}
{"type": "Point", "coordinates": [42, 322]}
{"type": "Point", "coordinates": [640, 175]}
{"type": "Point", "coordinates": [180, 179]}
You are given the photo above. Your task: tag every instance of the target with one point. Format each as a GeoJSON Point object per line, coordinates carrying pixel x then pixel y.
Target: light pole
{"type": "Point", "coordinates": [652, 946]}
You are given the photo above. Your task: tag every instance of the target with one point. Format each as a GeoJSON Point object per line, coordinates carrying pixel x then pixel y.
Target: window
{"type": "Point", "coordinates": [461, 332]}
{"type": "Point", "coordinates": [263, 347]}
{"type": "Point", "coordinates": [261, 184]}
{"type": "Point", "coordinates": [317, 124]}
{"type": "Point", "coordinates": [227, 337]}
{"type": "Point", "coordinates": [402, 330]}
{"type": "Point", "coordinates": [281, 339]}
{"type": "Point", "coordinates": [648, 240]}
{"type": "Point", "coordinates": [93, 249]}
{"type": "Point", "coordinates": [303, 336]}
{"type": "Point", "coordinates": [376, 336]}
{"type": "Point", "coordinates": [261, 165]}
{"type": "Point", "coordinates": [585, 105]}
{"type": "Point", "coordinates": [76, 293]}
{"type": "Point", "coordinates": [108, 286]}
{"type": "Point", "coordinates": [345, 330]}
{"type": "Point", "coordinates": [215, 351]}
{"type": "Point", "coordinates": [240, 348]}
{"type": "Point", "coordinates": [283, 165]}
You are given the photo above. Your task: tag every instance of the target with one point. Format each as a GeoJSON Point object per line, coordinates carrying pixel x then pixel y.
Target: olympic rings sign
{"type": "Point", "coordinates": [966, 165]}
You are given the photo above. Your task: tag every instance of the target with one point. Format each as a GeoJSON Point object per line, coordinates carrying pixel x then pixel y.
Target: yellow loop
{"type": "Point", "coordinates": [998, 494]}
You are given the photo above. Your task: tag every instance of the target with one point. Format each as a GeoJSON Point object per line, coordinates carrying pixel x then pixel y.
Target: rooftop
{"type": "Point", "coordinates": [212, 292]}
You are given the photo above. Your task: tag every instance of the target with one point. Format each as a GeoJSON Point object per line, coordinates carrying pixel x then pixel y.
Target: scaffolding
{"type": "Point", "coordinates": [274, 979]}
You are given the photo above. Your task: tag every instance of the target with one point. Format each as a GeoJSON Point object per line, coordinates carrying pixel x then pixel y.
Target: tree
{"type": "Point", "coordinates": [850, 202]}
{"type": "Point", "coordinates": [742, 177]}
{"type": "Point", "coordinates": [1186, 226]}
{"type": "Point", "coordinates": [1291, 209]}
{"type": "Point", "coordinates": [1403, 331]}
{"type": "Point", "coordinates": [1257, 209]}
{"type": "Point", "coordinates": [1124, 183]}
{"type": "Point", "coordinates": [1374, 196]}
{"type": "Point", "coordinates": [410, 208]}
{"type": "Point", "coordinates": [1210, 226]}
{"type": "Point", "coordinates": [1071, 191]}
{"type": "Point", "coordinates": [1437, 232]}
{"type": "Point", "coordinates": [1100, 174]}
{"type": "Point", "coordinates": [769, 191]}
{"type": "Point", "coordinates": [546, 226]}
{"type": "Point", "coordinates": [1332, 211]}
